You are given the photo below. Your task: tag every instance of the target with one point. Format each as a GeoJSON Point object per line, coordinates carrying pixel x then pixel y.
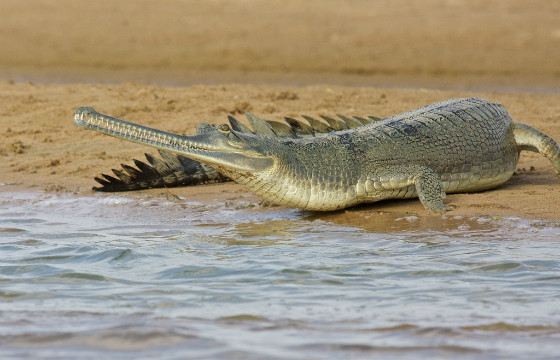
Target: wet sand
{"type": "Point", "coordinates": [42, 149]}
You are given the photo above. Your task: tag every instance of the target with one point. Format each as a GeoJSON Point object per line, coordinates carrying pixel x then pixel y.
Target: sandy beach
{"type": "Point", "coordinates": [42, 149]}
{"type": "Point", "coordinates": [174, 66]}
{"type": "Point", "coordinates": [444, 43]}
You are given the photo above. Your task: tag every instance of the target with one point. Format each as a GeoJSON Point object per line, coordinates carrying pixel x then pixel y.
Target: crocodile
{"type": "Point", "coordinates": [455, 146]}
{"type": "Point", "coordinates": [172, 169]}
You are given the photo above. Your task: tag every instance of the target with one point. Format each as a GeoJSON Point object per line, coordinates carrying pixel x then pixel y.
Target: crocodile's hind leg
{"type": "Point", "coordinates": [426, 182]}
{"type": "Point", "coordinates": [531, 139]}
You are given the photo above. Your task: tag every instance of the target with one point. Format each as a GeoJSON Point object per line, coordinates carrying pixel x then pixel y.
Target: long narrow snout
{"type": "Point", "coordinates": [88, 118]}
{"type": "Point", "coordinates": [207, 147]}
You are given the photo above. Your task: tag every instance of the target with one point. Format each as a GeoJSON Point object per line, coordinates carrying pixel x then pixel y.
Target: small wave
{"type": "Point", "coordinates": [242, 318]}
{"type": "Point", "coordinates": [420, 351]}
{"type": "Point", "coordinates": [29, 242]}
{"type": "Point", "coordinates": [121, 338]}
{"type": "Point", "coordinates": [46, 259]}
{"type": "Point", "coordinates": [499, 267]}
{"type": "Point", "coordinates": [496, 327]}
{"type": "Point", "coordinates": [10, 295]}
{"type": "Point", "coordinates": [503, 327]}
{"type": "Point", "coordinates": [11, 230]}
{"type": "Point", "coordinates": [111, 255]}
{"type": "Point", "coordinates": [29, 270]}
{"type": "Point", "coordinates": [83, 276]}
{"type": "Point", "coordinates": [189, 271]}
{"type": "Point", "coordinates": [21, 221]}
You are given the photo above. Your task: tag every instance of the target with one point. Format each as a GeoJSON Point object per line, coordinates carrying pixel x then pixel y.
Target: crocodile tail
{"type": "Point", "coordinates": [168, 171]}
{"type": "Point", "coordinates": [531, 139]}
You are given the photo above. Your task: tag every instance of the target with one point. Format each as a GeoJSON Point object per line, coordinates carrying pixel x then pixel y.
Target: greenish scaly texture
{"type": "Point", "coordinates": [456, 146]}
{"type": "Point", "coordinates": [460, 145]}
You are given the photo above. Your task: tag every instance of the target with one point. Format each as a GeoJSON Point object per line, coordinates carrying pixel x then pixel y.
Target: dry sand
{"type": "Point", "coordinates": [42, 149]}
{"type": "Point", "coordinates": [103, 54]}
{"type": "Point", "coordinates": [514, 43]}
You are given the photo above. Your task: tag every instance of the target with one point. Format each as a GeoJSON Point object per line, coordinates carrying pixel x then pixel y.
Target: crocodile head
{"type": "Point", "coordinates": [228, 150]}
{"type": "Point", "coordinates": [232, 152]}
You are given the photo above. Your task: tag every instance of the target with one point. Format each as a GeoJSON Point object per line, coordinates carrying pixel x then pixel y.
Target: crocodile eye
{"type": "Point", "coordinates": [224, 128]}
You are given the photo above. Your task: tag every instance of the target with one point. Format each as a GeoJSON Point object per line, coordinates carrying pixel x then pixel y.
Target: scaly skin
{"type": "Point", "coordinates": [461, 145]}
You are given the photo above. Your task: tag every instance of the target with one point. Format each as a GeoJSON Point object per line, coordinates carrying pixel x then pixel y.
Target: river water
{"type": "Point", "coordinates": [143, 277]}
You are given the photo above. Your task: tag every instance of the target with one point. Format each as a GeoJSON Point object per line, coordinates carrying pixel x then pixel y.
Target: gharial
{"type": "Point", "coordinates": [460, 145]}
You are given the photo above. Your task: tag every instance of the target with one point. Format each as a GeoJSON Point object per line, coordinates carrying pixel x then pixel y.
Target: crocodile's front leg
{"type": "Point", "coordinates": [430, 190]}
{"type": "Point", "coordinates": [407, 181]}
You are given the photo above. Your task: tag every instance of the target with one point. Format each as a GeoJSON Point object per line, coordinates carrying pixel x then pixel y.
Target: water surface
{"type": "Point", "coordinates": [105, 275]}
